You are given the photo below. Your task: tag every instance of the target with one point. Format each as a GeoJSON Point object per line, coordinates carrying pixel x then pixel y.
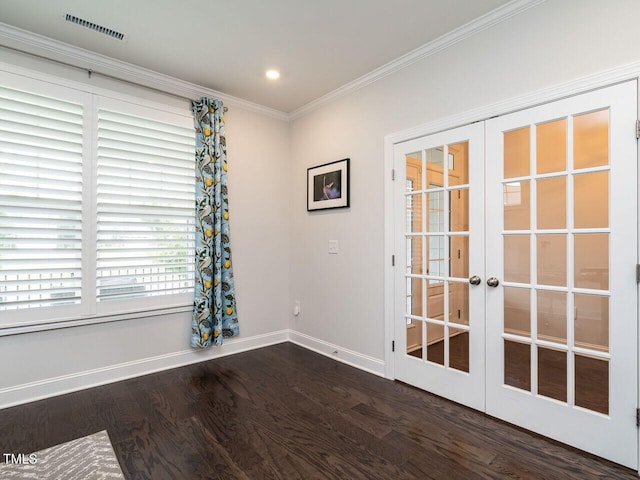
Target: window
{"type": "Point", "coordinates": [96, 204]}
{"type": "Point", "coordinates": [145, 194]}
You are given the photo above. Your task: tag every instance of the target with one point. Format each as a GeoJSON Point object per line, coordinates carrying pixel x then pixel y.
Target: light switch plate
{"type": "Point", "coordinates": [333, 247]}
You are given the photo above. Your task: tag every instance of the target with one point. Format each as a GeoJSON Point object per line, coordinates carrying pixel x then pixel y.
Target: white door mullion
{"type": "Point", "coordinates": [570, 267]}
{"type": "Point", "coordinates": [533, 219]}
{"type": "Point", "coordinates": [446, 229]}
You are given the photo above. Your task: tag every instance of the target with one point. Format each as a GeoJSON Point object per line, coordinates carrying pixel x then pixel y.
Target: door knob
{"type": "Point", "coordinates": [475, 280]}
{"type": "Point", "coordinates": [493, 282]}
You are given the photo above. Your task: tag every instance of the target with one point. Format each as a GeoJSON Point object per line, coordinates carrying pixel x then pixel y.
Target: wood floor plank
{"type": "Point", "coordinates": [283, 412]}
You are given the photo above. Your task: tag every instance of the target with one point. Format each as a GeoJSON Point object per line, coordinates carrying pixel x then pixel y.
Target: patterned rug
{"type": "Point", "coordinates": [87, 458]}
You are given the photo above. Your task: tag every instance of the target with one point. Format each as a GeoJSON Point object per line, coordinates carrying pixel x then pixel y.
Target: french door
{"type": "Point", "coordinates": [517, 294]}
{"type": "Point", "coordinates": [439, 332]}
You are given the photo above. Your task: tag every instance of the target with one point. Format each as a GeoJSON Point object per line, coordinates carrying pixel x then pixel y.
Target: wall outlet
{"type": "Point", "coordinates": [296, 308]}
{"type": "Point", "coordinates": [333, 247]}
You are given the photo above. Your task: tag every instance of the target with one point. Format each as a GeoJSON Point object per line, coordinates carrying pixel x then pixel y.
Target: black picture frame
{"type": "Point", "coordinates": [328, 186]}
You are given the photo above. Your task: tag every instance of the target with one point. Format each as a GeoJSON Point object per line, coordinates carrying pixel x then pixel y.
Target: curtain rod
{"type": "Point", "coordinates": [91, 72]}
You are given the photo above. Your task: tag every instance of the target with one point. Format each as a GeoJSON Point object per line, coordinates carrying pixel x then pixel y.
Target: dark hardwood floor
{"type": "Point", "coordinates": [286, 412]}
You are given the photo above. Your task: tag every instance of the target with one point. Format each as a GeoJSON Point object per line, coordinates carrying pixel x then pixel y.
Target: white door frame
{"type": "Point", "coordinates": [546, 95]}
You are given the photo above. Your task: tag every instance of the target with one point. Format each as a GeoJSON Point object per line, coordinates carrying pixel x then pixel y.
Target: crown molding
{"type": "Point", "coordinates": [54, 50]}
{"type": "Point", "coordinates": [467, 30]}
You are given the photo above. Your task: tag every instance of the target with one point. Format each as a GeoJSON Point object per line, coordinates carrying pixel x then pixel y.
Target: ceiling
{"type": "Point", "coordinates": [317, 45]}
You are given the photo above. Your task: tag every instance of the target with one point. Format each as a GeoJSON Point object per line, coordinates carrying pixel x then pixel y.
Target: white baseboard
{"type": "Point", "coordinates": [355, 359]}
{"type": "Point", "coordinates": [29, 392]}
{"type": "Point", "coordinates": [51, 387]}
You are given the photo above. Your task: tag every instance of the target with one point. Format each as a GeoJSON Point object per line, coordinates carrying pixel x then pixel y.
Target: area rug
{"type": "Point", "coordinates": [87, 458]}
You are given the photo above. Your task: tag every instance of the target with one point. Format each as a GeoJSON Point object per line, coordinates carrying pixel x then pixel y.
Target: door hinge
{"type": "Point", "coordinates": [393, 260]}
{"type": "Point", "coordinates": [393, 174]}
{"type": "Point", "coordinates": [637, 129]}
{"type": "Point", "coordinates": [637, 417]}
{"type": "Point", "coordinates": [637, 273]}
{"type": "Point", "coordinates": [393, 345]}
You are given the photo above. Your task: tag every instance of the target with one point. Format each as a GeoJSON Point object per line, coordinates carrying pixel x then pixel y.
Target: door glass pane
{"type": "Point", "coordinates": [414, 172]}
{"type": "Point", "coordinates": [552, 203]}
{"type": "Point", "coordinates": [591, 204]}
{"type": "Point", "coordinates": [458, 164]}
{"type": "Point", "coordinates": [517, 365]}
{"type": "Point", "coordinates": [517, 311]}
{"type": "Point", "coordinates": [552, 260]}
{"type": "Point", "coordinates": [459, 254]}
{"type": "Point", "coordinates": [435, 301]}
{"type": "Point", "coordinates": [435, 211]}
{"type": "Point", "coordinates": [435, 257]}
{"type": "Point", "coordinates": [414, 254]}
{"type": "Point", "coordinates": [591, 322]}
{"type": "Point", "coordinates": [459, 349]}
{"type": "Point", "coordinates": [516, 205]}
{"type": "Point", "coordinates": [592, 261]}
{"type": "Point", "coordinates": [551, 146]}
{"type": "Point", "coordinates": [517, 259]}
{"type": "Point", "coordinates": [459, 303]}
{"type": "Point", "coordinates": [591, 139]}
{"type": "Point", "coordinates": [414, 213]}
{"type": "Point", "coordinates": [435, 159]}
{"type": "Point", "coordinates": [459, 204]}
{"type": "Point", "coordinates": [414, 338]}
{"type": "Point", "coordinates": [592, 383]}
{"type": "Point", "coordinates": [552, 373]}
{"type": "Point", "coordinates": [414, 297]}
{"type": "Point", "coordinates": [516, 153]}
{"type": "Point", "coordinates": [552, 316]}
{"type": "Point", "coordinates": [435, 343]}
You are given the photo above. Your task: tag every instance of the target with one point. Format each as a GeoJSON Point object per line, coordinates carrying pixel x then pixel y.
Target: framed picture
{"type": "Point", "coordinates": [328, 186]}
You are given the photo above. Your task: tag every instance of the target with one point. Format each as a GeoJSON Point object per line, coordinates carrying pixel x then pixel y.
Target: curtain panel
{"type": "Point", "coordinates": [214, 306]}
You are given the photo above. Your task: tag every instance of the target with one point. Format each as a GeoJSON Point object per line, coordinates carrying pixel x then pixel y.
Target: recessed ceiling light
{"type": "Point", "coordinates": [273, 74]}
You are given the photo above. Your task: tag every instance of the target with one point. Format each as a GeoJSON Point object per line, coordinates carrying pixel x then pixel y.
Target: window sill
{"type": "Point", "coordinates": [93, 320]}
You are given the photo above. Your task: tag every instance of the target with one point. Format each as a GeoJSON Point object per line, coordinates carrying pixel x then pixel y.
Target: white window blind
{"type": "Point", "coordinates": [96, 204]}
{"type": "Point", "coordinates": [41, 147]}
{"type": "Point", "coordinates": [145, 206]}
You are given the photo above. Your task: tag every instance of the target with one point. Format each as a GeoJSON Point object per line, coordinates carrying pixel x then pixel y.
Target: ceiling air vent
{"type": "Point", "coordinates": [92, 26]}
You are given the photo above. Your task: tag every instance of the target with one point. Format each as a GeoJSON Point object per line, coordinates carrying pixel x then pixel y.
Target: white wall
{"type": "Point", "coordinates": [43, 363]}
{"type": "Point", "coordinates": [259, 179]}
{"type": "Point", "coordinates": [342, 296]}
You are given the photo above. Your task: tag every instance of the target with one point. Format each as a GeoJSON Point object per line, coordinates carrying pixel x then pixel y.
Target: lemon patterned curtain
{"type": "Point", "coordinates": [214, 306]}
